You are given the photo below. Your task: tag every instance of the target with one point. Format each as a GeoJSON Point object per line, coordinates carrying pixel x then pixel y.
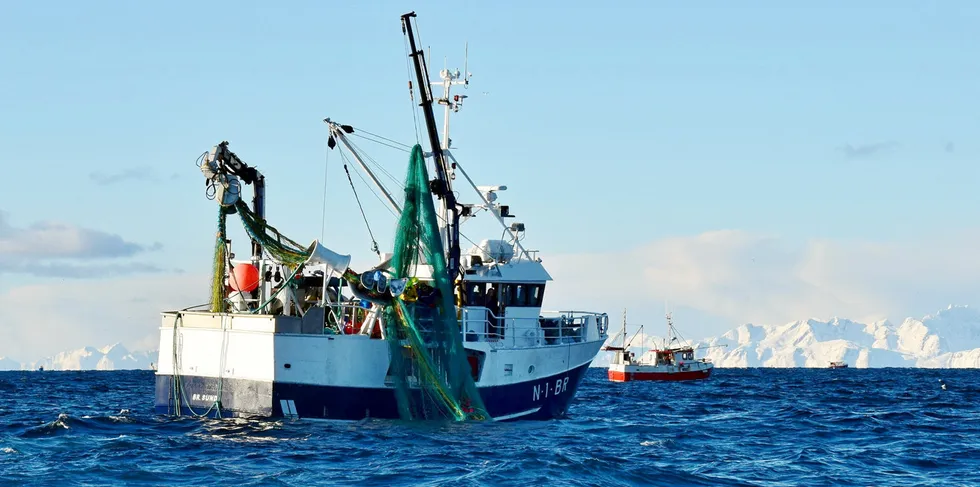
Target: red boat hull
{"type": "Point", "coordinates": [620, 376]}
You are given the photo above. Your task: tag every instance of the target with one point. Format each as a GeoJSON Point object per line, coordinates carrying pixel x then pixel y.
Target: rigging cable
{"type": "Point", "coordinates": [381, 168]}
{"type": "Point", "coordinates": [411, 93]}
{"type": "Point", "coordinates": [369, 186]}
{"type": "Point", "coordinates": [374, 243]}
{"type": "Point", "coordinates": [360, 130]}
{"type": "Point", "coordinates": [368, 158]}
{"type": "Point", "coordinates": [323, 214]}
{"type": "Point", "coordinates": [383, 143]}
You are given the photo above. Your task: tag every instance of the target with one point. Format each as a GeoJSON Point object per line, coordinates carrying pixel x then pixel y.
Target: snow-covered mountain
{"type": "Point", "coordinates": [9, 364]}
{"type": "Point", "coordinates": [950, 338]}
{"type": "Point", "coordinates": [112, 357]}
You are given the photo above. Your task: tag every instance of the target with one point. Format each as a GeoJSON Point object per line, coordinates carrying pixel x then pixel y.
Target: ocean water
{"type": "Point", "coordinates": [768, 427]}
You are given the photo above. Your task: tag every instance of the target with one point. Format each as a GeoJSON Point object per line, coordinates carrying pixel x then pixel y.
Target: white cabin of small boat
{"type": "Point", "coordinates": [621, 357]}
{"type": "Point", "coordinates": [674, 356]}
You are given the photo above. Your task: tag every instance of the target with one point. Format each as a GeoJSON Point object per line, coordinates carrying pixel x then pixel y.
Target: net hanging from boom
{"type": "Point", "coordinates": [432, 351]}
{"type": "Point", "coordinates": [429, 367]}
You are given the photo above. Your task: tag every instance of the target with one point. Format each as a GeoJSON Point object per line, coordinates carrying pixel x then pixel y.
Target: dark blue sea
{"type": "Point", "coordinates": [770, 427]}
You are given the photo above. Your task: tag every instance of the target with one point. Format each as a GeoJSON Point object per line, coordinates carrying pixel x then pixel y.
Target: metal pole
{"type": "Point", "coordinates": [357, 157]}
{"type": "Point", "coordinates": [486, 202]}
{"type": "Point", "coordinates": [443, 189]}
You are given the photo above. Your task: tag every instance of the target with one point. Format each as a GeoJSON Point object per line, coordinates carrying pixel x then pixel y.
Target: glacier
{"type": "Point", "coordinates": [949, 338]}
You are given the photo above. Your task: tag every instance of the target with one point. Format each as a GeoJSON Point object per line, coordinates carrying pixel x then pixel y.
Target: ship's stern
{"type": "Point", "coordinates": [207, 367]}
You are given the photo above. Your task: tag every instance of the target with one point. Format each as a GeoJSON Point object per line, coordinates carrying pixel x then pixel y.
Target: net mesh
{"type": "Point", "coordinates": [219, 265]}
{"type": "Point", "coordinates": [282, 248]}
{"type": "Point", "coordinates": [422, 331]}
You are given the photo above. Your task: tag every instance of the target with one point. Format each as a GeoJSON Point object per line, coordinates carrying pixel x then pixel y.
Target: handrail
{"type": "Point", "coordinates": [480, 324]}
{"type": "Point", "coordinates": [596, 313]}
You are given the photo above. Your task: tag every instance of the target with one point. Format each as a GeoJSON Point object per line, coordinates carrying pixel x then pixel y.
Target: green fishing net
{"type": "Point", "coordinates": [424, 336]}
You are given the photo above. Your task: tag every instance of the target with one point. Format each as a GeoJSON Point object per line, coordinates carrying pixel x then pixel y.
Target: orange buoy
{"type": "Point", "coordinates": [244, 277]}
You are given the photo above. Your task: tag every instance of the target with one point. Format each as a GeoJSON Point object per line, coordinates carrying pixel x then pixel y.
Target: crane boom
{"type": "Point", "coordinates": [220, 165]}
{"type": "Point", "coordinates": [442, 186]}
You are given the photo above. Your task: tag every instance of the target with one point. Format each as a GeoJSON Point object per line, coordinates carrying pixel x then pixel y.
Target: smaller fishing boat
{"type": "Point", "coordinates": [666, 363]}
{"type": "Point", "coordinates": [838, 365]}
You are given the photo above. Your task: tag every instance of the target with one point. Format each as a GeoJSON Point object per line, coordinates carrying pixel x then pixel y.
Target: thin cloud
{"type": "Point", "coordinates": [76, 271]}
{"type": "Point", "coordinates": [132, 174]}
{"type": "Point", "coordinates": [950, 147]}
{"type": "Point", "coordinates": [56, 249]}
{"type": "Point", "coordinates": [866, 150]}
{"type": "Point", "coordinates": [744, 277]}
{"type": "Point", "coordinates": [63, 240]}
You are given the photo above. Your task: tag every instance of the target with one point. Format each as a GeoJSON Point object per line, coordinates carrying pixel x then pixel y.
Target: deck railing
{"type": "Point", "coordinates": [479, 324]}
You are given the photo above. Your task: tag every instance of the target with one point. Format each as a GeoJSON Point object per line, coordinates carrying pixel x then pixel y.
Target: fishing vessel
{"type": "Point", "coordinates": [432, 331]}
{"type": "Point", "coordinates": [838, 365]}
{"type": "Point", "coordinates": [666, 363]}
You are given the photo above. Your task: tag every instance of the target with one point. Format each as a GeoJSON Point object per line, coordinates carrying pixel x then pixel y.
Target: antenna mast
{"type": "Point", "coordinates": [442, 185]}
{"type": "Point", "coordinates": [452, 103]}
{"type": "Point", "coordinates": [624, 329]}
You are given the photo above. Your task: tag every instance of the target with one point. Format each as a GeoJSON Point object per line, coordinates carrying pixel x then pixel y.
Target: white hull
{"type": "Point", "coordinates": [664, 372]}
{"type": "Point", "coordinates": [255, 352]}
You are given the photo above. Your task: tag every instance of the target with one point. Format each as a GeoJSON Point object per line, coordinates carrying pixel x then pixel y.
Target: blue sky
{"type": "Point", "coordinates": [614, 127]}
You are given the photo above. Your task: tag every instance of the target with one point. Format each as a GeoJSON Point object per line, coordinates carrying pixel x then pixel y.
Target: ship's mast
{"type": "Point", "coordinates": [452, 103]}
{"type": "Point", "coordinates": [624, 329]}
{"type": "Point", "coordinates": [442, 185]}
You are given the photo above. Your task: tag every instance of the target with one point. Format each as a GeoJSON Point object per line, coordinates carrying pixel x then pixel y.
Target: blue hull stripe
{"type": "Point", "coordinates": [543, 398]}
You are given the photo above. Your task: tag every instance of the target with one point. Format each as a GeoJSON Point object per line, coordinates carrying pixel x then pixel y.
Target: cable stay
{"type": "Point", "coordinates": [364, 160]}
{"type": "Point", "coordinates": [367, 157]}
{"type": "Point", "coordinates": [374, 242]}
{"type": "Point", "coordinates": [377, 139]}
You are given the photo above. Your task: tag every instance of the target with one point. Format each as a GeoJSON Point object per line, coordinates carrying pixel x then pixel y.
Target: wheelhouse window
{"type": "Point", "coordinates": [519, 295]}
{"type": "Point", "coordinates": [476, 293]}
{"type": "Point", "coordinates": [535, 295]}
{"type": "Point", "coordinates": [508, 294]}
{"type": "Point", "coordinates": [522, 295]}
